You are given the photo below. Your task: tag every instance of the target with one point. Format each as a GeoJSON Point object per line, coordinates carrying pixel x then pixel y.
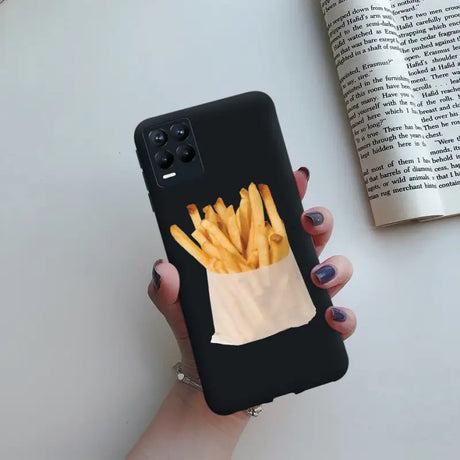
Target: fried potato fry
{"type": "Point", "coordinates": [216, 266]}
{"type": "Point", "coordinates": [205, 244]}
{"type": "Point", "coordinates": [244, 267]}
{"type": "Point", "coordinates": [221, 210]}
{"type": "Point", "coordinates": [233, 232]}
{"type": "Point", "coordinates": [253, 259]}
{"type": "Point", "coordinates": [200, 236]}
{"type": "Point", "coordinates": [221, 239]}
{"type": "Point", "coordinates": [251, 246]}
{"type": "Point", "coordinates": [245, 220]}
{"type": "Point", "coordinates": [258, 218]}
{"type": "Point", "coordinates": [229, 261]}
{"type": "Point", "coordinates": [238, 219]}
{"type": "Point", "coordinates": [190, 246]}
{"type": "Point", "coordinates": [275, 219]}
{"type": "Point", "coordinates": [219, 216]}
{"type": "Point", "coordinates": [268, 230]}
{"type": "Point", "coordinates": [263, 249]}
{"type": "Point", "coordinates": [194, 215]}
{"type": "Point", "coordinates": [210, 214]}
{"type": "Point", "coordinates": [276, 247]}
{"type": "Point", "coordinates": [219, 266]}
{"type": "Point", "coordinates": [223, 228]}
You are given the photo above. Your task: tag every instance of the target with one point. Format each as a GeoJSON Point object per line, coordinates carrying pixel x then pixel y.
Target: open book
{"type": "Point", "coordinates": [399, 68]}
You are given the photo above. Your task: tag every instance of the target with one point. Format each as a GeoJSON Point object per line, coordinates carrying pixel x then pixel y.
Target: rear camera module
{"type": "Point", "coordinates": [173, 152]}
{"type": "Point", "coordinates": [179, 131]}
{"type": "Point", "coordinates": [158, 137]}
{"type": "Point", "coordinates": [164, 159]}
{"type": "Point", "coordinates": [185, 153]}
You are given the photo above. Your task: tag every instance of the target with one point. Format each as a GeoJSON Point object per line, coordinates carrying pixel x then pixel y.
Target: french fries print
{"type": "Point", "coordinates": [229, 240]}
{"type": "Point", "coordinates": [255, 286]}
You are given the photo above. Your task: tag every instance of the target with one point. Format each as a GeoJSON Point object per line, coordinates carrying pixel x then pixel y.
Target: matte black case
{"type": "Point", "coordinates": [240, 141]}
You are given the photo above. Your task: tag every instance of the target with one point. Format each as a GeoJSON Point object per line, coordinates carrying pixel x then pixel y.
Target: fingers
{"type": "Point", "coordinates": [164, 290]}
{"type": "Point", "coordinates": [318, 222]}
{"type": "Point", "coordinates": [332, 274]}
{"type": "Point", "coordinates": [301, 177]}
{"type": "Point", "coordinates": [341, 319]}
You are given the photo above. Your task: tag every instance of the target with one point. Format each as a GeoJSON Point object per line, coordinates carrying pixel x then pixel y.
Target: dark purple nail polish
{"type": "Point", "coordinates": [325, 273]}
{"type": "Point", "coordinates": [316, 217]}
{"type": "Point", "coordinates": [338, 315]}
{"type": "Point", "coordinates": [306, 171]}
{"type": "Point", "coordinates": [156, 277]}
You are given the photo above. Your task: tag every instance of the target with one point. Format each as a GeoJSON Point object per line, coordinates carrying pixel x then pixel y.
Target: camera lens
{"type": "Point", "coordinates": [179, 131]}
{"type": "Point", "coordinates": [158, 137]}
{"type": "Point", "coordinates": [185, 153]}
{"type": "Point", "coordinates": [164, 159]}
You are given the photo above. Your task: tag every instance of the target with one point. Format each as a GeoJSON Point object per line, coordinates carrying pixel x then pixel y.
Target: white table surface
{"type": "Point", "coordinates": [84, 357]}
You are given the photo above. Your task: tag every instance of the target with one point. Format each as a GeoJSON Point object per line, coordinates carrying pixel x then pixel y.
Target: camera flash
{"type": "Point", "coordinates": [167, 176]}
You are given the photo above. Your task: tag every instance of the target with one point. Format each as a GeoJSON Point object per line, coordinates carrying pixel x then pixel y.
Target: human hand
{"type": "Point", "coordinates": [332, 274]}
{"type": "Point", "coordinates": [184, 426]}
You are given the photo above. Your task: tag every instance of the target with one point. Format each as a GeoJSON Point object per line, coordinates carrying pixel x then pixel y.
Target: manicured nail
{"type": "Point", "coordinates": [306, 171]}
{"type": "Point", "coordinates": [325, 273]}
{"type": "Point", "coordinates": [316, 217]}
{"type": "Point", "coordinates": [156, 277]}
{"type": "Point", "coordinates": [338, 314]}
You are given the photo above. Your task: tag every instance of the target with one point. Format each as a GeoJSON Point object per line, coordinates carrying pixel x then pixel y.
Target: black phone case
{"type": "Point", "coordinates": [239, 141]}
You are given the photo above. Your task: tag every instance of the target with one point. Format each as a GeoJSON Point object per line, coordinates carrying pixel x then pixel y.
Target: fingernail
{"type": "Point", "coordinates": [325, 273]}
{"type": "Point", "coordinates": [338, 314]}
{"type": "Point", "coordinates": [316, 217]}
{"type": "Point", "coordinates": [306, 171]}
{"type": "Point", "coordinates": [156, 277]}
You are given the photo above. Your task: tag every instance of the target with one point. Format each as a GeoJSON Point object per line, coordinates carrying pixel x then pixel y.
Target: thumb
{"type": "Point", "coordinates": [163, 290]}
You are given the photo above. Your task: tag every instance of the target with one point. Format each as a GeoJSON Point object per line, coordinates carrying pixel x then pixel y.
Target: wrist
{"type": "Point", "coordinates": [193, 380]}
{"type": "Point", "coordinates": [203, 433]}
{"type": "Point", "coordinates": [185, 427]}
{"type": "Point", "coordinates": [194, 401]}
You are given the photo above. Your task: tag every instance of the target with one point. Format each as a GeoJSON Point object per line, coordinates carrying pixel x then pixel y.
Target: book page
{"type": "Point", "coordinates": [382, 109]}
{"type": "Point", "coordinates": [429, 33]}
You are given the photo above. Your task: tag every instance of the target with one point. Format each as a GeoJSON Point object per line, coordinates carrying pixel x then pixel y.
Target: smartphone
{"type": "Point", "coordinates": [222, 188]}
